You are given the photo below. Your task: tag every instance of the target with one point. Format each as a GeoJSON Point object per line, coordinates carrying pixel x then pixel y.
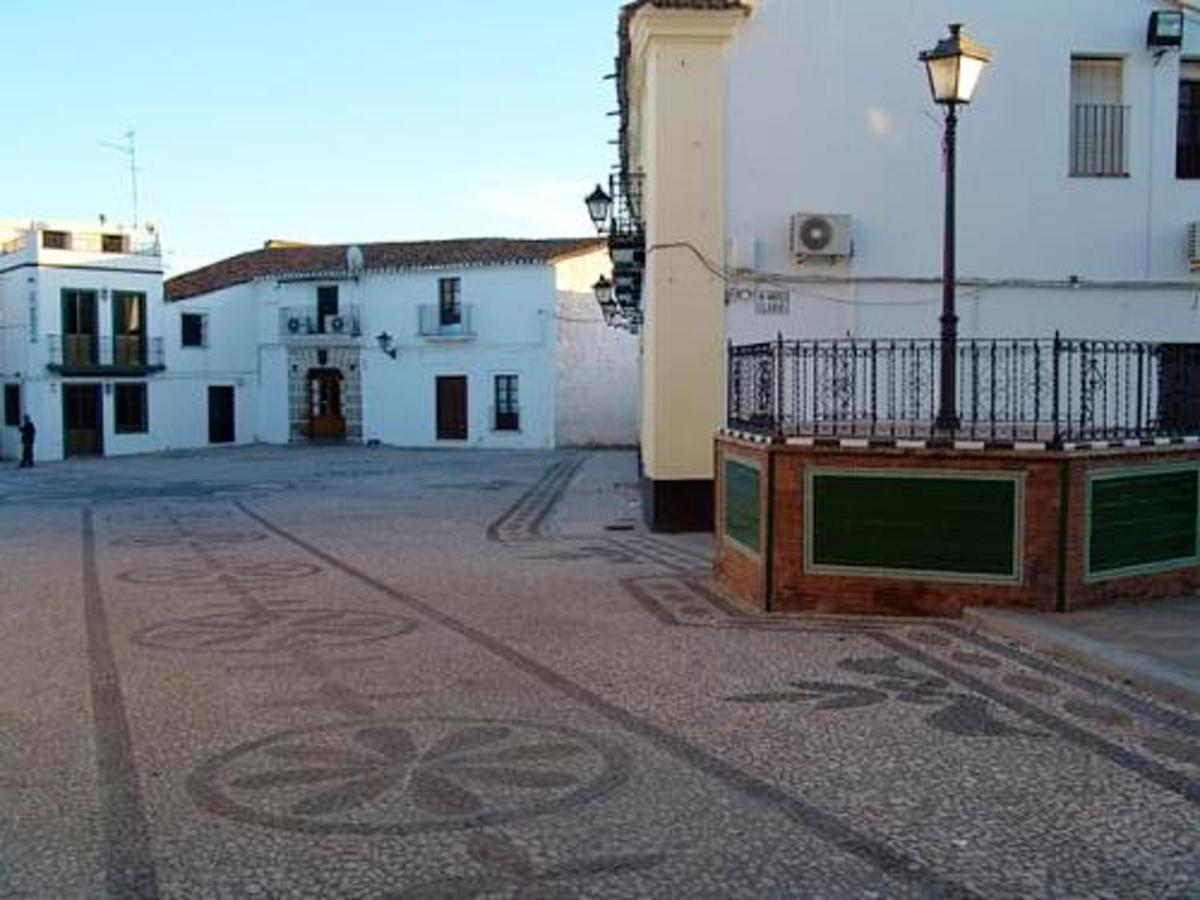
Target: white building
{"type": "Point", "coordinates": [479, 343]}
{"type": "Point", "coordinates": [81, 338]}
{"type": "Point", "coordinates": [1078, 174]}
{"type": "Point", "coordinates": [1078, 177]}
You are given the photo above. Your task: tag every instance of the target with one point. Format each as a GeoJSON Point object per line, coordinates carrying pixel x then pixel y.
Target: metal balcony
{"type": "Point", "coordinates": [435, 324]}
{"type": "Point", "coordinates": [88, 354]}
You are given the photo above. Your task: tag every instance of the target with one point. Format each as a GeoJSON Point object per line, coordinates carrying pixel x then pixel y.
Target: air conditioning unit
{"type": "Point", "coordinates": [1194, 246]}
{"type": "Point", "coordinates": [822, 235]}
{"type": "Point", "coordinates": [336, 324]}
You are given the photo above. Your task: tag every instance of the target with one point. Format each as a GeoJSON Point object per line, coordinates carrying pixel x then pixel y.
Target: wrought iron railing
{"type": "Point", "coordinates": [1100, 140]}
{"type": "Point", "coordinates": [88, 352]}
{"type": "Point", "coordinates": [1052, 390]}
{"type": "Point", "coordinates": [432, 322]}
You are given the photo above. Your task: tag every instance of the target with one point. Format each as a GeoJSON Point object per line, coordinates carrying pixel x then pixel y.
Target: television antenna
{"type": "Point", "coordinates": [128, 147]}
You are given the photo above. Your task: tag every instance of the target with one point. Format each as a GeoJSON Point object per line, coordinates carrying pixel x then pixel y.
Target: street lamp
{"type": "Point", "coordinates": [599, 205]}
{"type": "Point", "coordinates": [954, 67]}
{"type": "Point", "coordinates": [604, 296]}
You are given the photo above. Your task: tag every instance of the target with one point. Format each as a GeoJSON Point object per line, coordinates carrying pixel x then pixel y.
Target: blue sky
{"type": "Point", "coordinates": [309, 120]}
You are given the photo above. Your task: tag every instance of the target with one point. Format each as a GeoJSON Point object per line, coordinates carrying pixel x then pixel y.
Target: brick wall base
{"type": "Point", "coordinates": [1052, 575]}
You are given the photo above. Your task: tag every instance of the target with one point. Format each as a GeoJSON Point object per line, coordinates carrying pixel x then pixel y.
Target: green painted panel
{"type": "Point", "coordinates": [742, 503]}
{"type": "Point", "coordinates": [1142, 519]}
{"type": "Point", "coordinates": [945, 525]}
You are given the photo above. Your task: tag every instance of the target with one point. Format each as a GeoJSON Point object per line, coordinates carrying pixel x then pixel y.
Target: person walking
{"type": "Point", "coordinates": [28, 433]}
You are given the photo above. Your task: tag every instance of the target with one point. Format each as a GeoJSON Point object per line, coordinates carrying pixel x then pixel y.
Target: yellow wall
{"type": "Point", "coordinates": [578, 272]}
{"type": "Point", "coordinates": [677, 92]}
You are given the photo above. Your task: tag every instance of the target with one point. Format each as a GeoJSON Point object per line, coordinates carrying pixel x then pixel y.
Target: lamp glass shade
{"type": "Point", "coordinates": [954, 67]}
{"type": "Point", "coordinates": [969, 71]}
{"type": "Point", "coordinates": [604, 291]}
{"type": "Point", "coordinates": [599, 206]}
{"type": "Point", "coordinates": [943, 78]}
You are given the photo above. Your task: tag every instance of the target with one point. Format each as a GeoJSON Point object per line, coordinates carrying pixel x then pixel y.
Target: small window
{"type": "Point", "coordinates": [193, 330]}
{"type": "Point", "coordinates": [1099, 118]}
{"type": "Point", "coordinates": [130, 414]}
{"type": "Point", "coordinates": [1187, 135]}
{"type": "Point", "coordinates": [112, 243]}
{"type": "Point", "coordinates": [12, 404]}
{"type": "Point", "coordinates": [508, 411]}
{"type": "Point", "coordinates": [55, 240]}
{"type": "Point", "coordinates": [450, 301]}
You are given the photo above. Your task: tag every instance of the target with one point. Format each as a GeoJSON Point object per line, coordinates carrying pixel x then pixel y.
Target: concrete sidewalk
{"type": "Point", "coordinates": [1151, 646]}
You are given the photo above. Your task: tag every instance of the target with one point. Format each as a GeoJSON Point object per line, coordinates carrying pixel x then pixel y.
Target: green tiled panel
{"type": "Point", "coordinates": [956, 526]}
{"type": "Point", "coordinates": [741, 503]}
{"type": "Point", "coordinates": [1142, 520]}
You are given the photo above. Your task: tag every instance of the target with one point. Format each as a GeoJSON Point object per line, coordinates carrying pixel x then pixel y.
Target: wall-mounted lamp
{"type": "Point", "coordinates": [599, 206]}
{"type": "Point", "coordinates": [1166, 29]}
{"type": "Point", "coordinates": [387, 344]}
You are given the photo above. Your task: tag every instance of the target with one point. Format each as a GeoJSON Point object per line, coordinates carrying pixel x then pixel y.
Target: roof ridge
{"type": "Point", "coordinates": [310, 259]}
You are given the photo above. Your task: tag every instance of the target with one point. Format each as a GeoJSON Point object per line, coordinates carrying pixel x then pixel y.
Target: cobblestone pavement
{"type": "Point", "coordinates": [355, 672]}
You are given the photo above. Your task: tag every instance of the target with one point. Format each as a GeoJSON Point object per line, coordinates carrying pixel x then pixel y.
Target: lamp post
{"type": "Point", "coordinates": [954, 67]}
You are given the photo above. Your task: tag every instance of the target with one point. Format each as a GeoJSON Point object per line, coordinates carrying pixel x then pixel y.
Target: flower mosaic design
{"type": "Point", "coordinates": [274, 630]}
{"type": "Point", "coordinates": [409, 776]}
{"type": "Point", "coordinates": [213, 539]}
{"type": "Point", "coordinates": [200, 573]}
{"type": "Point", "coordinates": [964, 715]}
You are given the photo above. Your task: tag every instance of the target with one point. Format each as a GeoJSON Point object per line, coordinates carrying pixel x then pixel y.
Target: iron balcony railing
{"type": "Point", "coordinates": [87, 352]}
{"type": "Point", "coordinates": [433, 322]}
{"type": "Point", "coordinates": [1053, 390]}
{"type": "Point", "coordinates": [304, 322]}
{"type": "Point", "coordinates": [1100, 140]}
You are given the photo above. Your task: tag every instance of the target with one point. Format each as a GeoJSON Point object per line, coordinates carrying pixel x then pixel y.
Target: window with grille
{"type": "Point", "coordinates": [1187, 135]}
{"type": "Point", "coordinates": [1099, 118]}
{"type": "Point", "coordinates": [508, 410]}
{"type": "Point", "coordinates": [130, 415]}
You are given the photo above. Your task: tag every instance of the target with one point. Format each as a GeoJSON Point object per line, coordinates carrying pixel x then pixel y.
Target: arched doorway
{"type": "Point", "coordinates": [326, 419]}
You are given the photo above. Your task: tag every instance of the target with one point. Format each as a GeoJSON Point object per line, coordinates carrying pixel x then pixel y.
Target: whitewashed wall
{"type": "Point", "coordinates": [513, 317]}
{"type": "Point", "coordinates": [596, 366]}
{"type": "Point", "coordinates": [828, 110]}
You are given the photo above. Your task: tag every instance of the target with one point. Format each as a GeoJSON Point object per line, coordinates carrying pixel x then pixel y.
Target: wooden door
{"type": "Point", "coordinates": [221, 415]}
{"type": "Point", "coordinates": [326, 421]}
{"type": "Point", "coordinates": [452, 408]}
{"type": "Point", "coordinates": [83, 420]}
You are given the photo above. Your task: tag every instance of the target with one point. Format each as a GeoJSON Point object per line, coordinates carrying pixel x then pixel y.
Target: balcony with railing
{"type": "Point", "coordinates": [1054, 391]}
{"type": "Point", "coordinates": [305, 324]}
{"type": "Point", "coordinates": [87, 354]}
{"type": "Point", "coordinates": [1100, 141]}
{"type": "Point", "coordinates": [435, 323]}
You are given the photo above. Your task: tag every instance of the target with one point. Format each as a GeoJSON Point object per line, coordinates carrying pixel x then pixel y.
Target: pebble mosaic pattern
{"type": "Point", "coordinates": [280, 709]}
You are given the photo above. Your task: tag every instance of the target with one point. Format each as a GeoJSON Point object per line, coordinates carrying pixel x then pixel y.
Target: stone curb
{"type": "Point", "coordinates": [1041, 633]}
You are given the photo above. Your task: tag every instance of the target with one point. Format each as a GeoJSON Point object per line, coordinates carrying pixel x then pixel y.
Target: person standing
{"type": "Point", "coordinates": [28, 433]}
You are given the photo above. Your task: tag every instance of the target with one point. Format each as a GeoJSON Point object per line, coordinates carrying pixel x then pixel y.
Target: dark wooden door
{"type": "Point", "coordinates": [83, 420]}
{"type": "Point", "coordinates": [452, 408]}
{"type": "Point", "coordinates": [326, 420]}
{"type": "Point", "coordinates": [327, 305]}
{"type": "Point", "coordinates": [221, 415]}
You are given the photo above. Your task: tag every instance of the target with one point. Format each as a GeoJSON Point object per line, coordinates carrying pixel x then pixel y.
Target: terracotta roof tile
{"type": "Point", "coordinates": [317, 259]}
